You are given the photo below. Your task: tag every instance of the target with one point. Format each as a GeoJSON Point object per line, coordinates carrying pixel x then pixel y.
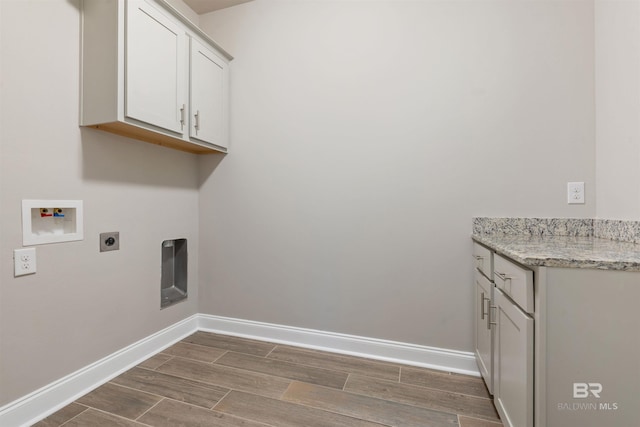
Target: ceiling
{"type": "Point", "coordinates": [206, 6]}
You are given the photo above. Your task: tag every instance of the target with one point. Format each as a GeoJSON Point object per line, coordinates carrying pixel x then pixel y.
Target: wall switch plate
{"type": "Point", "coordinates": [575, 193]}
{"type": "Point", "coordinates": [110, 241]}
{"type": "Point", "coordinates": [24, 261]}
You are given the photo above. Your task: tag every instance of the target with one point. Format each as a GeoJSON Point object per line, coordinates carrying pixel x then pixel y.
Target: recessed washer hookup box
{"type": "Point", "coordinates": [51, 221]}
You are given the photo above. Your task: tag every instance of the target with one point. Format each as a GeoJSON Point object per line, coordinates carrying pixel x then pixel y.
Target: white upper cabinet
{"type": "Point", "coordinates": [155, 67]}
{"type": "Point", "coordinates": [209, 86]}
{"type": "Point", "coordinates": [150, 74]}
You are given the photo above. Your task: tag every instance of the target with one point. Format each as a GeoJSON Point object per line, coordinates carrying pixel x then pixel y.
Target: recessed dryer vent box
{"type": "Point", "coordinates": [51, 221]}
{"type": "Point", "coordinates": [173, 281]}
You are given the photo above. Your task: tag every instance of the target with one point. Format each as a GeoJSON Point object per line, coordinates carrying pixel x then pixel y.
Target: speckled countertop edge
{"type": "Point", "coordinates": [563, 242]}
{"type": "Point", "coordinates": [564, 251]}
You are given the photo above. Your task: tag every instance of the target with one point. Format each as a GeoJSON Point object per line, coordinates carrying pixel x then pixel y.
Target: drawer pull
{"type": "Point", "coordinates": [488, 314]}
{"type": "Point", "coordinates": [502, 276]}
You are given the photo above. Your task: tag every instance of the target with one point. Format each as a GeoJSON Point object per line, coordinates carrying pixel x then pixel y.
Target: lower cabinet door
{"type": "Point", "coordinates": [484, 329]}
{"type": "Point", "coordinates": [513, 377]}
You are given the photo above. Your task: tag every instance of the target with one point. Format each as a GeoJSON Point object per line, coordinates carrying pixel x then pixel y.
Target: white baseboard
{"type": "Point", "coordinates": [47, 400]}
{"type": "Point", "coordinates": [372, 348]}
{"type": "Point", "coordinates": [52, 397]}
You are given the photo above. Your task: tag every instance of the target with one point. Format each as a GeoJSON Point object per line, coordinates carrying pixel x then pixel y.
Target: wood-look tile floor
{"type": "Point", "coordinates": [216, 380]}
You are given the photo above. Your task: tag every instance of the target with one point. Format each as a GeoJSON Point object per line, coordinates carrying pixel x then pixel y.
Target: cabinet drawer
{"type": "Point", "coordinates": [514, 281]}
{"type": "Point", "coordinates": [483, 260]}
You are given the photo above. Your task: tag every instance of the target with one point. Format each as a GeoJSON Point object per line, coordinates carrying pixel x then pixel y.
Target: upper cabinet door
{"type": "Point", "coordinates": [209, 97]}
{"type": "Point", "coordinates": [155, 89]}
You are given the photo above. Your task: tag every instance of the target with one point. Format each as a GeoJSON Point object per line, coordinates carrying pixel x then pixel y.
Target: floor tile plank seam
{"type": "Point", "coordinates": [242, 418]}
{"type": "Point", "coordinates": [272, 350]}
{"type": "Point", "coordinates": [305, 365]}
{"type": "Point", "coordinates": [315, 408]}
{"type": "Point", "coordinates": [139, 390]}
{"type": "Point", "coordinates": [221, 399]}
{"type": "Point", "coordinates": [450, 412]}
{"type": "Point", "coordinates": [153, 406]}
{"type": "Point", "coordinates": [291, 365]}
{"type": "Point", "coordinates": [432, 372]}
{"type": "Point", "coordinates": [228, 338]}
{"type": "Point", "coordinates": [346, 381]}
{"type": "Point", "coordinates": [86, 408]}
{"type": "Point", "coordinates": [441, 389]}
{"type": "Point", "coordinates": [330, 354]}
{"type": "Point", "coordinates": [446, 391]}
{"type": "Point", "coordinates": [229, 390]}
{"type": "Point", "coordinates": [196, 360]}
{"type": "Point", "coordinates": [218, 358]}
{"type": "Point", "coordinates": [239, 416]}
{"type": "Point", "coordinates": [199, 345]}
{"type": "Point", "coordinates": [212, 409]}
{"type": "Point", "coordinates": [341, 371]}
{"type": "Point", "coordinates": [110, 414]}
{"type": "Point", "coordinates": [442, 374]}
{"type": "Point", "coordinates": [232, 368]}
{"type": "Point", "coordinates": [223, 350]}
{"type": "Point", "coordinates": [429, 388]}
{"type": "Point", "coordinates": [354, 393]}
{"type": "Point", "coordinates": [163, 363]}
{"type": "Point", "coordinates": [337, 413]}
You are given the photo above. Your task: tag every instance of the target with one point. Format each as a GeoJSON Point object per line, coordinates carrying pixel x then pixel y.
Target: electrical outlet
{"type": "Point", "coordinates": [24, 261]}
{"type": "Point", "coordinates": [575, 193]}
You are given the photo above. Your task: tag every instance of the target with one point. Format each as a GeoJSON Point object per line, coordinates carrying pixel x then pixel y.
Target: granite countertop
{"type": "Point", "coordinates": [564, 251]}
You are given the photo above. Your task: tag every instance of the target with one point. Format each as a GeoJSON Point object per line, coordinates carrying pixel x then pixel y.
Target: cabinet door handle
{"type": "Point", "coordinates": [482, 305]}
{"type": "Point", "coordinates": [488, 312]}
{"type": "Point", "coordinates": [182, 116]}
{"type": "Point", "coordinates": [489, 322]}
{"type": "Point", "coordinates": [197, 116]}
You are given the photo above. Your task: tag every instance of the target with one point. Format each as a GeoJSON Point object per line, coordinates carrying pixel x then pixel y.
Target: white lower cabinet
{"type": "Point", "coordinates": [504, 335]}
{"type": "Point", "coordinates": [513, 356]}
{"type": "Point", "coordinates": [484, 330]}
{"type": "Point", "coordinates": [566, 345]}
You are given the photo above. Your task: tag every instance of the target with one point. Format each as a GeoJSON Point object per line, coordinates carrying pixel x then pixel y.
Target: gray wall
{"type": "Point", "coordinates": [81, 305]}
{"type": "Point", "coordinates": [366, 135]}
{"type": "Point", "coordinates": [617, 66]}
